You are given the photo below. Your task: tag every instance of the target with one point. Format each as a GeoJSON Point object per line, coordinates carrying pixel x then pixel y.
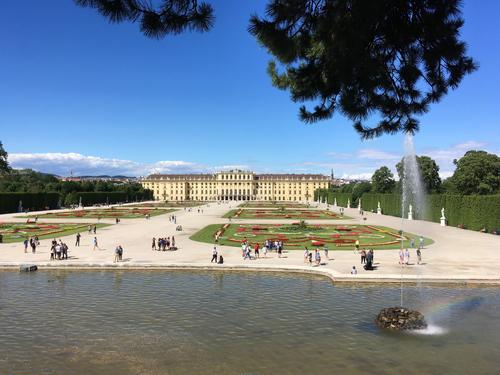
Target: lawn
{"type": "Point", "coordinates": [17, 232]}
{"type": "Point", "coordinates": [169, 204]}
{"type": "Point", "coordinates": [273, 205]}
{"type": "Point", "coordinates": [283, 214]}
{"type": "Point", "coordinates": [295, 236]}
{"type": "Point", "coordinates": [104, 213]}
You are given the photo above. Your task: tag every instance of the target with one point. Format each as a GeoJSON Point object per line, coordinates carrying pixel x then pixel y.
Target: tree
{"type": "Point", "coordinates": [387, 59]}
{"type": "Point", "coordinates": [4, 164]}
{"type": "Point", "coordinates": [477, 172]}
{"type": "Point", "coordinates": [429, 170]}
{"type": "Point", "coordinates": [169, 17]}
{"type": "Point", "coordinates": [359, 189]}
{"type": "Point", "coordinates": [383, 180]}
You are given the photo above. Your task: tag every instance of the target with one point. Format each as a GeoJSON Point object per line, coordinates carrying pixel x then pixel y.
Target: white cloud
{"type": "Point", "coordinates": [357, 176]}
{"type": "Point", "coordinates": [380, 155]}
{"type": "Point", "coordinates": [65, 163]}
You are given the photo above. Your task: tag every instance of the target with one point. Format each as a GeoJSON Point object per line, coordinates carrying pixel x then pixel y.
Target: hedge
{"type": "Point", "coordinates": [9, 202]}
{"type": "Point", "coordinates": [474, 212]}
{"type": "Point", "coordinates": [332, 195]}
{"type": "Point", "coordinates": [111, 197]}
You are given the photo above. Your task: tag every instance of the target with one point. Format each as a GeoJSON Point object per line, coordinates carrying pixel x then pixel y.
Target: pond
{"type": "Point", "coordinates": [182, 322]}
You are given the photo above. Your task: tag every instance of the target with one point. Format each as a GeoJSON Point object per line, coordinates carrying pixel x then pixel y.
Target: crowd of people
{"type": "Point", "coordinates": [58, 250]}
{"type": "Point", "coordinates": [163, 244]}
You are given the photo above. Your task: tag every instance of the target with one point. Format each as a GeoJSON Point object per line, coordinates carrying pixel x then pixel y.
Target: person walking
{"type": "Point", "coordinates": [153, 245]}
{"type": "Point", "coordinates": [407, 257]}
{"type": "Point", "coordinates": [317, 257]}
{"type": "Point", "coordinates": [256, 250]}
{"type": "Point", "coordinates": [421, 242]}
{"type": "Point", "coordinates": [77, 243]}
{"type": "Point", "coordinates": [363, 256]}
{"type": "Point", "coordinates": [214, 255]}
{"type": "Point", "coordinates": [26, 243]}
{"type": "Point", "coordinates": [95, 229]}
{"type": "Point", "coordinates": [419, 256]}
{"type": "Point", "coordinates": [96, 245]}
{"type": "Point", "coordinates": [401, 257]}
{"type": "Point", "coordinates": [306, 255]}
{"type": "Point", "coordinates": [33, 246]}
{"type": "Point", "coordinates": [325, 249]}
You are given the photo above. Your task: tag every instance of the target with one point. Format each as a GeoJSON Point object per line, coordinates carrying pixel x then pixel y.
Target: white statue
{"type": "Point", "coordinates": [379, 209]}
{"type": "Point", "coordinates": [335, 202]}
{"type": "Point", "coordinates": [359, 204]}
{"type": "Point", "coordinates": [348, 203]}
{"type": "Point", "coordinates": [410, 213]}
{"type": "Point", "coordinates": [443, 218]}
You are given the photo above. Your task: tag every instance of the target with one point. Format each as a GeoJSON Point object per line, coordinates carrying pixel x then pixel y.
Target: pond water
{"type": "Point", "coordinates": [134, 322]}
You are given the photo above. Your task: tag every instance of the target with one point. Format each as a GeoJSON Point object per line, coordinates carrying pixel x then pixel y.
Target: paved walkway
{"type": "Point", "coordinates": [456, 255]}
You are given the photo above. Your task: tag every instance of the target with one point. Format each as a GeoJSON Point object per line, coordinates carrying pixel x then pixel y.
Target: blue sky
{"type": "Point", "coordinates": [79, 94]}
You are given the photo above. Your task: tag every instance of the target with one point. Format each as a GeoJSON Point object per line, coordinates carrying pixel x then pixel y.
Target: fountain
{"type": "Point", "coordinates": [399, 317]}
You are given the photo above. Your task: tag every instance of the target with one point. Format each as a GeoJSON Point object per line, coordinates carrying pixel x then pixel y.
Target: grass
{"type": "Point", "coordinates": [335, 236]}
{"type": "Point", "coordinates": [273, 205]}
{"type": "Point", "coordinates": [169, 204]}
{"type": "Point", "coordinates": [103, 213]}
{"type": "Point", "coordinates": [283, 214]}
{"type": "Point", "coordinates": [17, 232]}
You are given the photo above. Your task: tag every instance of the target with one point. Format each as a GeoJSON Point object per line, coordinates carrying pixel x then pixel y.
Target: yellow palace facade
{"type": "Point", "coordinates": [235, 186]}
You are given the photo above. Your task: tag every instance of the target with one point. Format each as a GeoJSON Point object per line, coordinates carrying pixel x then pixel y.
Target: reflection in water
{"type": "Point", "coordinates": [133, 322]}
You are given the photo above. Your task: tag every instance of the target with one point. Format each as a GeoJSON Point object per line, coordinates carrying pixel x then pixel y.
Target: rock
{"type": "Point", "coordinates": [27, 268]}
{"type": "Point", "coordinates": [400, 318]}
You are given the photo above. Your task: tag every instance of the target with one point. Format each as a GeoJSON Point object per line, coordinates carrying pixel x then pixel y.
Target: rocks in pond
{"type": "Point", "coordinates": [400, 318]}
{"type": "Point", "coordinates": [28, 268]}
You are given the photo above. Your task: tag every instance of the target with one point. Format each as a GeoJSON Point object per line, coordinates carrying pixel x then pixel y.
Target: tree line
{"type": "Point", "coordinates": [476, 173]}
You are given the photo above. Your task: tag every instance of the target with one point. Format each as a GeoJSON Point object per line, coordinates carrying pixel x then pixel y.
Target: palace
{"type": "Point", "coordinates": [235, 185]}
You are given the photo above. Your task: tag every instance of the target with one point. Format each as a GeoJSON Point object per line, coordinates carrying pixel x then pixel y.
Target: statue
{"type": "Point", "coordinates": [379, 209]}
{"type": "Point", "coordinates": [443, 218]}
{"type": "Point", "coordinates": [410, 213]}
{"type": "Point", "coordinates": [335, 202]}
{"type": "Point", "coordinates": [359, 205]}
{"type": "Point", "coordinates": [348, 203]}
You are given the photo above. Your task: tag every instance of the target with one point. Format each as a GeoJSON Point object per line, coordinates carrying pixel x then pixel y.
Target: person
{"type": "Point", "coordinates": [325, 249]}
{"type": "Point", "coordinates": [90, 229]}
{"type": "Point", "coordinates": [421, 243]}
{"type": "Point", "coordinates": [153, 245]}
{"type": "Point", "coordinates": [363, 256]}
{"type": "Point", "coordinates": [64, 249]}
{"type": "Point", "coordinates": [117, 254]}
{"type": "Point", "coordinates": [306, 255]}
{"type": "Point", "coordinates": [419, 256]}
{"type": "Point", "coordinates": [317, 257]}
{"type": "Point", "coordinates": [120, 253]}
{"type": "Point", "coordinates": [412, 243]}
{"type": "Point", "coordinates": [248, 253]}
{"type": "Point", "coordinates": [310, 258]}
{"type": "Point", "coordinates": [173, 241]}
{"type": "Point", "coordinates": [26, 242]}
{"type": "Point", "coordinates": [94, 241]}
{"type": "Point", "coordinates": [33, 245]}
{"type": "Point", "coordinates": [256, 250]}
{"type": "Point", "coordinates": [243, 249]}
{"type": "Point", "coordinates": [354, 271]}
{"type": "Point", "coordinates": [214, 255]}
{"type": "Point", "coordinates": [265, 250]}
{"type": "Point", "coordinates": [58, 251]}
{"type": "Point", "coordinates": [401, 257]}
{"type": "Point", "coordinates": [221, 260]}
{"type": "Point", "coordinates": [95, 229]}
{"type": "Point", "coordinates": [407, 256]}
{"type": "Point", "coordinates": [357, 245]}
{"type": "Point", "coordinates": [77, 243]}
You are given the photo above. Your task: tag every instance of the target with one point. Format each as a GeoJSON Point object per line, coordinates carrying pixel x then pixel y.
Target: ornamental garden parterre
{"type": "Point", "coordinates": [283, 213]}
{"type": "Point", "coordinates": [105, 213]}
{"type": "Point", "coordinates": [300, 235]}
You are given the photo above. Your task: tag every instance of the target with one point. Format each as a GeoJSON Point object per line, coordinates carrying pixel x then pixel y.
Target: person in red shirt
{"type": "Point", "coordinates": [256, 249]}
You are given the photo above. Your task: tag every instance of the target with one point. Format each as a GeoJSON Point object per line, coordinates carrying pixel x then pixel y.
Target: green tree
{"type": "Point", "coordinates": [477, 172]}
{"type": "Point", "coordinates": [365, 59]}
{"type": "Point", "coordinates": [429, 170]}
{"type": "Point", "coordinates": [359, 189]}
{"type": "Point", "coordinates": [383, 180]}
{"type": "Point", "coordinates": [166, 17]}
{"type": "Point", "coordinates": [4, 164]}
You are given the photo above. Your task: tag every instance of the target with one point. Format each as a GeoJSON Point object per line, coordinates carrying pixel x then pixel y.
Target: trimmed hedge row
{"type": "Point", "coordinates": [476, 212]}
{"type": "Point", "coordinates": [9, 202]}
{"type": "Point", "coordinates": [332, 195]}
{"type": "Point", "coordinates": [111, 197]}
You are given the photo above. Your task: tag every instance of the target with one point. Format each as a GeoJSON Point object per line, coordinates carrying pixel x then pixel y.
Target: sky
{"type": "Point", "coordinates": [80, 95]}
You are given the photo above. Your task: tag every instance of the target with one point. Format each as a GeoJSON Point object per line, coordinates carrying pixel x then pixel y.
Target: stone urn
{"type": "Point", "coordinates": [400, 319]}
